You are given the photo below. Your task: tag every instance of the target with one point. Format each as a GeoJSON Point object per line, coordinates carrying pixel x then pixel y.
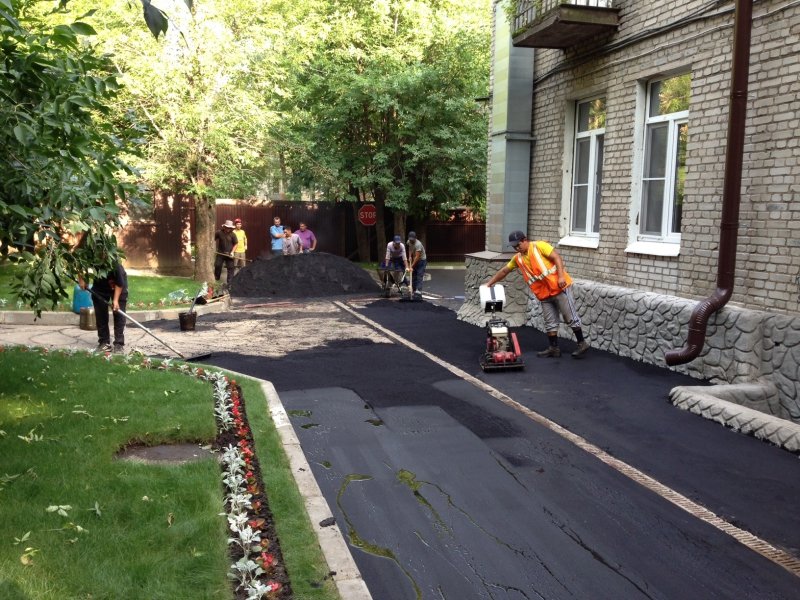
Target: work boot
{"type": "Point", "coordinates": [550, 352]}
{"type": "Point", "coordinates": [583, 348]}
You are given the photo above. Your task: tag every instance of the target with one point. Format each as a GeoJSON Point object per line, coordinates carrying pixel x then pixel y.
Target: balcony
{"type": "Point", "coordinates": [562, 23]}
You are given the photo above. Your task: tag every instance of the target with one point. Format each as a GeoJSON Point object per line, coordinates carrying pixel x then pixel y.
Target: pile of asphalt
{"type": "Point", "coordinates": [313, 275]}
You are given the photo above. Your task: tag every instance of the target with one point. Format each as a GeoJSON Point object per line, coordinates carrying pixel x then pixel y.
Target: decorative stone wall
{"type": "Point", "coordinates": [742, 346]}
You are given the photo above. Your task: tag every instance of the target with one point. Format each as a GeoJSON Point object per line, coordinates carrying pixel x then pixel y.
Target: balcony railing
{"type": "Point", "coordinates": [562, 23]}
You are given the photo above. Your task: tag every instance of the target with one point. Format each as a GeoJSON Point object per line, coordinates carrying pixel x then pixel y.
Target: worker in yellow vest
{"type": "Point", "coordinates": [543, 271]}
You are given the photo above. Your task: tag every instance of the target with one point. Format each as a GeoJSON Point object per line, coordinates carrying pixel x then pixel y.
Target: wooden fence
{"type": "Point", "coordinates": [163, 243]}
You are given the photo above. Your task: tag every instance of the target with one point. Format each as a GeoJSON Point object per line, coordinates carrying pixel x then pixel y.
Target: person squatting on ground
{"type": "Point", "coordinates": [396, 258]}
{"type": "Point", "coordinates": [240, 251]}
{"type": "Point", "coordinates": [543, 271]}
{"type": "Point", "coordinates": [225, 242]}
{"type": "Point", "coordinates": [109, 290]}
{"type": "Point", "coordinates": [418, 260]}
{"type": "Point", "coordinates": [276, 235]}
{"type": "Point", "coordinates": [307, 237]}
{"type": "Point", "coordinates": [291, 243]}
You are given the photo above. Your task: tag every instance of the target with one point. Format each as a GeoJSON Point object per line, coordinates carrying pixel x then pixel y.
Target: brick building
{"type": "Point", "coordinates": [608, 131]}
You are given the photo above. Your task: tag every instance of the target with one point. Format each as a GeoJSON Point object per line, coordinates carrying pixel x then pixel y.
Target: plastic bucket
{"type": "Point", "coordinates": [80, 299]}
{"type": "Point", "coordinates": [187, 320]}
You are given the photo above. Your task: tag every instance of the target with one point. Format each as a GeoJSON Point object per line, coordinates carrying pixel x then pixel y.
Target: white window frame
{"type": "Point", "coordinates": [667, 243]}
{"type": "Point", "coordinates": [588, 238]}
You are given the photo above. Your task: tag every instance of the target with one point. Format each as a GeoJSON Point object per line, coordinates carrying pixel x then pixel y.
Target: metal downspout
{"type": "Point", "coordinates": [731, 193]}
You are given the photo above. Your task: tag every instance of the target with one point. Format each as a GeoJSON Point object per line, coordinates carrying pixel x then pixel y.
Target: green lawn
{"type": "Point", "coordinates": [78, 523]}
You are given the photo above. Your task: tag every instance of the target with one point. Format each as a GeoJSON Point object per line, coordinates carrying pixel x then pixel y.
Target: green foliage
{"type": "Point", "coordinates": [64, 164]}
{"type": "Point", "coordinates": [204, 88]}
{"type": "Point", "coordinates": [383, 103]}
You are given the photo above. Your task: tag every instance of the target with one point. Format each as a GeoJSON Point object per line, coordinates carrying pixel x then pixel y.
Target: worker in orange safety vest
{"type": "Point", "coordinates": [543, 271]}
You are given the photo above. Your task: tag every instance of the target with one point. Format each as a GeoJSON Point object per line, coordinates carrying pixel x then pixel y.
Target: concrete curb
{"type": "Point", "coordinates": [10, 317]}
{"type": "Point", "coordinates": [348, 578]}
{"type": "Point", "coordinates": [697, 400]}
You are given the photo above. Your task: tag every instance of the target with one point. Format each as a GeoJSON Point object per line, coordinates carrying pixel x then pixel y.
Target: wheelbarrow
{"type": "Point", "coordinates": [393, 280]}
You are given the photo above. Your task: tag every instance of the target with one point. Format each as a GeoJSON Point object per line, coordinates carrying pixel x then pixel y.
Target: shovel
{"type": "Point", "coordinates": [409, 288]}
{"type": "Point", "coordinates": [233, 257]}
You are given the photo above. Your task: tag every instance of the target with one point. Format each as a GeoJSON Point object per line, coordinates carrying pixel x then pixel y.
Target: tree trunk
{"type": "Point", "coordinates": [205, 218]}
{"type": "Point", "coordinates": [362, 233]}
{"type": "Point", "coordinates": [284, 176]}
{"type": "Point", "coordinates": [380, 224]}
{"type": "Point", "coordinates": [400, 218]}
{"type": "Point", "coordinates": [362, 236]}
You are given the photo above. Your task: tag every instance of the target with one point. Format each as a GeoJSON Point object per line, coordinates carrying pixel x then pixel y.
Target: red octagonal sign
{"type": "Point", "coordinates": [367, 215]}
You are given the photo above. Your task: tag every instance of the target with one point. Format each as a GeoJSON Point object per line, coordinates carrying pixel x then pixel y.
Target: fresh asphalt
{"type": "Point", "coordinates": [443, 491]}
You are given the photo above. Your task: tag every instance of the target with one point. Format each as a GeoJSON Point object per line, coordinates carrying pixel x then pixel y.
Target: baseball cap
{"type": "Point", "coordinates": [397, 239]}
{"type": "Point", "coordinates": [412, 235]}
{"type": "Point", "coordinates": [228, 224]}
{"type": "Point", "coordinates": [237, 220]}
{"type": "Point", "coordinates": [515, 237]}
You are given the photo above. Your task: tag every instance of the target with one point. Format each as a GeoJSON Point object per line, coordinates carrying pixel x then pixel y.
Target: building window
{"type": "Point", "coordinates": [664, 167]}
{"type": "Point", "coordinates": [587, 168]}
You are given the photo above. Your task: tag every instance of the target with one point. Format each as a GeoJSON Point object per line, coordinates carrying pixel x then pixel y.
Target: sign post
{"type": "Point", "coordinates": [367, 215]}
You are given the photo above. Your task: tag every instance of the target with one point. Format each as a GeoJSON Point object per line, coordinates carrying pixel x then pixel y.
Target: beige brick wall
{"type": "Point", "coordinates": [768, 260]}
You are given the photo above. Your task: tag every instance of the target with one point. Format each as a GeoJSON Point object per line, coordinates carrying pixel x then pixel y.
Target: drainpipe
{"type": "Point", "coordinates": [731, 193]}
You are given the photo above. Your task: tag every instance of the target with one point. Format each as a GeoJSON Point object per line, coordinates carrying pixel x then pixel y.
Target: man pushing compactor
{"type": "Point", "coordinates": [543, 270]}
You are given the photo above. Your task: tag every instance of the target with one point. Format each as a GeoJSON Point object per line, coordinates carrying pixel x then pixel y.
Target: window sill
{"type": "Point", "coordinates": [654, 248]}
{"type": "Point", "coordinates": [579, 241]}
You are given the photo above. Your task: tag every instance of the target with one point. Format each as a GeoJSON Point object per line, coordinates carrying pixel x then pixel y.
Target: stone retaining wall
{"type": "Point", "coordinates": [742, 346]}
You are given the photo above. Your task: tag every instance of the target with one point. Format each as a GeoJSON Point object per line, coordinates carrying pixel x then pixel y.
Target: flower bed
{"type": "Point", "coordinates": [258, 570]}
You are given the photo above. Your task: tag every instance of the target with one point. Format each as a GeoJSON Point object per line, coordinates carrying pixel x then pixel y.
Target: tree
{"type": "Point", "coordinates": [383, 105]}
{"type": "Point", "coordinates": [64, 157]}
{"type": "Point", "coordinates": [204, 87]}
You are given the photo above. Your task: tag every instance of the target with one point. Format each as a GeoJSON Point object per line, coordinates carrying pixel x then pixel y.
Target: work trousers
{"type": "Point", "coordinates": [228, 262]}
{"type": "Point", "coordinates": [101, 308]}
{"type": "Point", "coordinates": [418, 276]}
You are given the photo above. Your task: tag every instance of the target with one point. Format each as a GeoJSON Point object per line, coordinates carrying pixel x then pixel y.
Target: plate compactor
{"type": "Point", "coordinates": [502, 351]}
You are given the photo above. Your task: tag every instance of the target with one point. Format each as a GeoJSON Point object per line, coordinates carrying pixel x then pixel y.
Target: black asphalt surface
{"type": "Point", "coordinates": [444, 492]}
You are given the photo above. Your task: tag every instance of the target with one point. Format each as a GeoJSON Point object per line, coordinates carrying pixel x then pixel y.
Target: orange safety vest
{"type": "Point", "coordinates": [542, 275]}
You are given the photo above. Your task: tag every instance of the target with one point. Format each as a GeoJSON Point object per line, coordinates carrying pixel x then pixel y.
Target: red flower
{"type": "Point", "coordinates": [274, 586]}
{"type": "Point", "coordinates": [267, 560]}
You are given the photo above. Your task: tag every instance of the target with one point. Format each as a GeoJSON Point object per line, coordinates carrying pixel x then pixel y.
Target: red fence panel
{"type": "Point", "coordinates": [450, 241]}
{"type": "Point", "coordinates": [163, 243]}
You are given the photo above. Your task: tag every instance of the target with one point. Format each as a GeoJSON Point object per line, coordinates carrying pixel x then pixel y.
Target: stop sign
{"type": "Point", "coordinates": [367, 215]}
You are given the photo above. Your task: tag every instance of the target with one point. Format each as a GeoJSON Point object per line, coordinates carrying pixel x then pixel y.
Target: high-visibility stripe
{"type": "Point", "coordinates": [527, 274]}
